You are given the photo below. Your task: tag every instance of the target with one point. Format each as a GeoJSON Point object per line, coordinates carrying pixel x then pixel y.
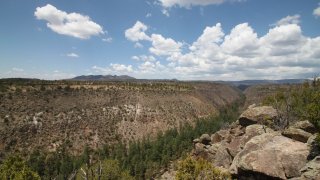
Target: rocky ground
{"type": "Point", "coordinates": [251, 148]}
{"type": "Point", "coordinates": [49, 115]}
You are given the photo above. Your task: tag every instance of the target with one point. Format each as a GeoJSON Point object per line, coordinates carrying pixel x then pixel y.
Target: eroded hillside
{"type": "Point", "coordinates": [47, 115]}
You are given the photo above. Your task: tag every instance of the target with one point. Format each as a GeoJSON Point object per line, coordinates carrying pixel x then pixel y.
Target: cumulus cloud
{"type": "Point", "coordinates": [316, 12]}
{"type": "Point", "coordinates": [73, 55]}
{"type": "Point", "coordinates": [161, 46]}
{"type": "Point", "coordinates": [138, 45]}
{"type": "Point", "coordinates": [295, 19]}
{"type": "Point", "coordinates": [241, 41]}
{"type": "Point", "coordinates": [114, 69]}
{"type": "Point", "coordinates": [70, 24]}
{"type": "Point", "coordinates": [164, 46]}
{"type": "Point", "coordinates": [137, 32]}
{"type": "Point", "coordinates": [283, 52]}
{"type": "Point", "coordinates": [144, 58]}
{"type": "Point", "coordinates": [189, 3]}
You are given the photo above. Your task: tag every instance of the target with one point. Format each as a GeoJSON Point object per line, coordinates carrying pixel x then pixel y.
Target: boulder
{"type": "Point", "coordinates": [258, 115]}
{"type": "Point", "coordinates": [219, 136]}
{"type": "Point", "coordinates": [314, 147]}
{"type": "Point", "coordinates": [198, 148]}
{"type": "Point", "coordinates": [219, 155]}
{"type": "Point", "coordinates": [238, 143]}
{"type": "Point", "coordinates": [237, 131]}
{"type": "Point", "coordinates": [257, 129]}
{"type": "Point", "coordinates": [205, 139]}
{"type": "Point", "coordinates": [311, 170]}
{"type": "Point", "coordinates": [196, 140]}
{"type": "Point", "coordinates": [297, 134]}
{"type": "Point", "coordinates": [306, 126]}
{"type": "Point", "coordinates": [270, 155]}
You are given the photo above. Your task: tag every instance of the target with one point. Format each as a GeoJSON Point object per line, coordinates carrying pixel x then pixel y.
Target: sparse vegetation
{"type": "Point", "coordinates": [299, 103]}
{"type": "Point", "coordinates": [196, 169]}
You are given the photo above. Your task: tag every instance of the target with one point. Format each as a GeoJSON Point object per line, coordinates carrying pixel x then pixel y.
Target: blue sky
{"type": "Point", "coordinates": [183, 39]}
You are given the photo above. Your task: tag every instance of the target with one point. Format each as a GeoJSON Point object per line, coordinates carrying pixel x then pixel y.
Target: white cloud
{"type": "Point", "coordinates": [189, 3]}
{"type": "Point", "coordinates": [138, 45]}
{"type": "Point", "coordinates": [241, 41]}
{"type": "Point", "coordinates": [283, 52]}
{"type": "Point", "coordinates": [73, 55]}
{"type": "Point", "coordinates": [316, 12]}
{"type": "Point", "coordinates": [121, 68]}
{"type": "Point", "coordinates": [109, 39]}
{"type": "Point", "coordinates": [148, 15]}
{"type": "Point", "coordinates": [70, 24]}
{"type": "Point", "coordinates": [137, 32]}
{"type": "Point", "coordinates": [114, 69]}
{"type": "Point", "coordinates": [295, 19]}
{"type": "Point", "coordinates": [144, 58]}
{"type": "Point", "coordinates": [283, 40]}
{"type": "Point", "coordinates": [165, 12]}
{"type": "Point", "coordinates": [17, 69]}
{"type": "Point", "coordinates": [164, 46]}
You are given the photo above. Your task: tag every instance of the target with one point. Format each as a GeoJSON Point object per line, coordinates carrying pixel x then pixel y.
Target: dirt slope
{"type": "Point", "coordinates": [76, 114]}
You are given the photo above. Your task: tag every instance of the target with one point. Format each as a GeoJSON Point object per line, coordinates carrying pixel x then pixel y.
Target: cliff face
{"type": "Point", "coordinates": [76, 114]}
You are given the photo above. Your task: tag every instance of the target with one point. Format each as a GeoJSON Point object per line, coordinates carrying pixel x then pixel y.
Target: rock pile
{"type": "Point", "coordinates": [250, 149]}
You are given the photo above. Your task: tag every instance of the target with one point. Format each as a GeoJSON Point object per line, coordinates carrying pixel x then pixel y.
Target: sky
{"type": "Point", "coordinates": [160, 39]}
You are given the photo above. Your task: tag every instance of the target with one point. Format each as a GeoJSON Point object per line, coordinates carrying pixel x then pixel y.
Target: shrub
{"type": "Point", "coordinates": [299, 103]}
{"type": "Point", "coordinates": [15, 168]}
{"type": "Point", "coordinates": [190, 169]}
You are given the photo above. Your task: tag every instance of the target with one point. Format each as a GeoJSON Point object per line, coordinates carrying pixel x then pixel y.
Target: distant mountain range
{"type": "Point", "coordinates": [246, 83]}
{"type": "Point", "coordinates": [103, 78]}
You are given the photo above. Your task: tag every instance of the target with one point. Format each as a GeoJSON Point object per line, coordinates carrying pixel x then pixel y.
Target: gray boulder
{"type": "Point", "coordinates": [219, 136]}
{"type": "Point", "coordinates": [205, 139]}
{"type": "Point", "coordinates": [311, 170]}
{"type": "Point", "coordinates": [314, 147]}
{"type": "Point", "coordinates": [270, 155]}
{"type": "Point", "coordinates": [297, 134]}
{"type": "Point", "coordinates": [306, 126]}
{"type": "Point", "coordinates": [219, 156]}
{"type": "Point", "coordinates": [258, 115]}
{"type": "Point", "coordinates": [238, 143]}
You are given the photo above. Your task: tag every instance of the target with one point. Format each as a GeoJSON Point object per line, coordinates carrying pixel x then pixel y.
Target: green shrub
{"type": "Point", "coordinates": [192, 169]}
{"type": "Point", "coordinates": [301, 102]}
{"type": "Point", "coordinates": [14, 168]}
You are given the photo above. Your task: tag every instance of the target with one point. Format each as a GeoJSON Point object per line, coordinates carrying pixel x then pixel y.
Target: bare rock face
{"type": "Point", "coordinates": [258, 115]}
{"type": "Point", "coordinates": [306, 126]}
{"type": "Point", "coordinates": [312, 170]}
{"type": "Point", "coordinates": [238, 142]}
{"type": "Point", "coordinates": [297, 134]}
{"type": "Point", "coordinates": [219, 156]}
{"type": "Point", "coordinates": [270, 155]}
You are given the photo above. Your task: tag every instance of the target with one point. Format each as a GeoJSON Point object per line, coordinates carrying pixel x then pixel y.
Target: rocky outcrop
{"type": "Point", "coordinates": [260, 115]}
{"type": "Point", "coordinates": [271, 155]}
{"type": "Point", "coordinates": [311, 171]}
{"type": "Point", "coordinates": [297, 134]}
{"type": "Point", "coordinates": [249, 149]}
{"type": "Point", "coordinates": [314, 147]}
{"type": "Point", "coordinates": [306, 126]}
{"type": "Point", "coordinates": [205, 139]}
